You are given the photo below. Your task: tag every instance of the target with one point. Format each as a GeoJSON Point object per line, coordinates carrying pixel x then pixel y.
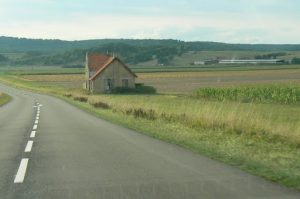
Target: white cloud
{"type": "Point", "coordinates": [226, 28]}
{"type": "Point", "coordinates": [239, 21]}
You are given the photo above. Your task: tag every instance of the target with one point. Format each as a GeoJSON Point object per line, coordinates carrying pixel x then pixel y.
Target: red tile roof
{"type": "Point", "coordinates": [98, 62]}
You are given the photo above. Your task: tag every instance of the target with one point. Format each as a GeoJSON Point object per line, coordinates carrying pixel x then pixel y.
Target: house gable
{"type": "Point", "coordinates": [104, 73]}
{"type": "Point", "coordinates": [107, 64]}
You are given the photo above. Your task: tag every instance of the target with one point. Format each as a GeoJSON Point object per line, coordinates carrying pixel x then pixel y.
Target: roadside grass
{"type": "Point", "coordinates": [4, 98]}
{"type": "Point", "coordinates": [272, 157]}
{"type": "Point", "coordinates": [263, 139]}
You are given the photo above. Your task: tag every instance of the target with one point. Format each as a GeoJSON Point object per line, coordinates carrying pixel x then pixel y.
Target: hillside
{"type": "Point", "coordinates": [22, 51]}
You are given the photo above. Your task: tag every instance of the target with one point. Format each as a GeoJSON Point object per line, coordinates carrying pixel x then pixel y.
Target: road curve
{"type": "Point", "coordinates": [73, 154]}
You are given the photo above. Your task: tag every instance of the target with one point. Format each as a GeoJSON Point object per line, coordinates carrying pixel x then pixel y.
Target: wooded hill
{"type": "Point", "coordinates": [59, 52]}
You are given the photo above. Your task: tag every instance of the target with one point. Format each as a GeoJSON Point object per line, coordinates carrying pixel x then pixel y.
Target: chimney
{"type": "Point", "coordinates": [87, 57]}
{"type": "Point", "coordinates": [87, 64]}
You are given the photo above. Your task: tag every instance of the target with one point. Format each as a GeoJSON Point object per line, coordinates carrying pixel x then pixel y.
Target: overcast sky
{"type": "Point", "coordinates": [231, 21]}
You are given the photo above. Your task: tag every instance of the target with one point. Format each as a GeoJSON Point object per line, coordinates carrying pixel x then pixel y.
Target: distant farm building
{"type": "Point", "coordinates": [252, 61]}
{"type": "Point", "coordinates": [105, 73]}
{"type": "Point", "coordinates": [204, 62]}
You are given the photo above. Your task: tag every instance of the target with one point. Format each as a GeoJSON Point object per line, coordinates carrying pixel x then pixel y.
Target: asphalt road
{"type": "Point", "coordinates": [72, 154]}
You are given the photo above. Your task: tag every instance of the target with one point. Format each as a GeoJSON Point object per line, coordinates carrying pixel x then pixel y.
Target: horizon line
{"type": "Point", "coordinates": [163, 39]}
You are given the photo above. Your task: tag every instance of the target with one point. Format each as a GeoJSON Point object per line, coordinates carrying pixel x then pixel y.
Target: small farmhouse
{"type": "Point", "coordinates": [105, 72]}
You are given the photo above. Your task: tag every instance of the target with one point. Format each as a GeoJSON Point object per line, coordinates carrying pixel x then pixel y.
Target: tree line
{"type": "Point", "coordinates": [72, 53]}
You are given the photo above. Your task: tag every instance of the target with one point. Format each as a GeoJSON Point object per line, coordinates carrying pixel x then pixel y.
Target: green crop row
{"type": "Point", "coordinates": [283, 94]}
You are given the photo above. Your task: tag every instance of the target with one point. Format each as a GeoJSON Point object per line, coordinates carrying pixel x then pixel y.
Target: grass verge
{"type": "Point", "coordinates": [4, 98]}
{"type": "Point", "coordinates": [273, 159]}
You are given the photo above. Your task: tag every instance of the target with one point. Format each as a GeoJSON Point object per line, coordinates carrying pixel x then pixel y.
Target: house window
{"type": "Point", "coordinates": [125, 83]}
{"type": "Point", "coordinates": [108, 84]}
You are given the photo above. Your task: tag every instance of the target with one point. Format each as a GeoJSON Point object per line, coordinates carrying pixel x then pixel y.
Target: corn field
{"type": "Point", "coordinates": [283, 94]}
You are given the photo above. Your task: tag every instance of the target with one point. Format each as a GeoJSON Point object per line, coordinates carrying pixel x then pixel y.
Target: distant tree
{"type": "Point", "coordinates": [270, 55]}
{"type": "Point", "coordinates": [296, 60]}
{"type": "Point", "coordinates": [166, 60]}
{"type": "Point", "coordinates": [3, 58]}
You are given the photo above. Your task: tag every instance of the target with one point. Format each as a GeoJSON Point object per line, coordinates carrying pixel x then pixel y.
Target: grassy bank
{"type": "Point", "coordinates": [263, 139]}
{"type": "Point", "coordinates": [254, 137]}
{"type": "Point", "coordinates": [4, 99]}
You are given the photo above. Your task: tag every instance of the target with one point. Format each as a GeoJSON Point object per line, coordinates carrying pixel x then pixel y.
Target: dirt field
{"type": "Point", "coordinates": [184, 82]}
{"type": "Point", "coordinates": [66, 80]}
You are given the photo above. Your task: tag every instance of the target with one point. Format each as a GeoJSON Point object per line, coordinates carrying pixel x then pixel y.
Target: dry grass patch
{"type": "Point", "coordinates": [257, 120]}
{"type": "Point", "coordinates": [98, 103]}
{"type": "Point", "coordinates": [80, 98]}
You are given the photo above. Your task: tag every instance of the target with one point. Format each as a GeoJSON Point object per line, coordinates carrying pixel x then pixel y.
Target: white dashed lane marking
{"type": "Point", "coordinates": [28, 146]}
{"type": "Point", "coordinates": [19, 178]}
{"type": "Point", "coordinates": [32, 134]}
{"type": "Point", "coordinates": [21, 171]}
